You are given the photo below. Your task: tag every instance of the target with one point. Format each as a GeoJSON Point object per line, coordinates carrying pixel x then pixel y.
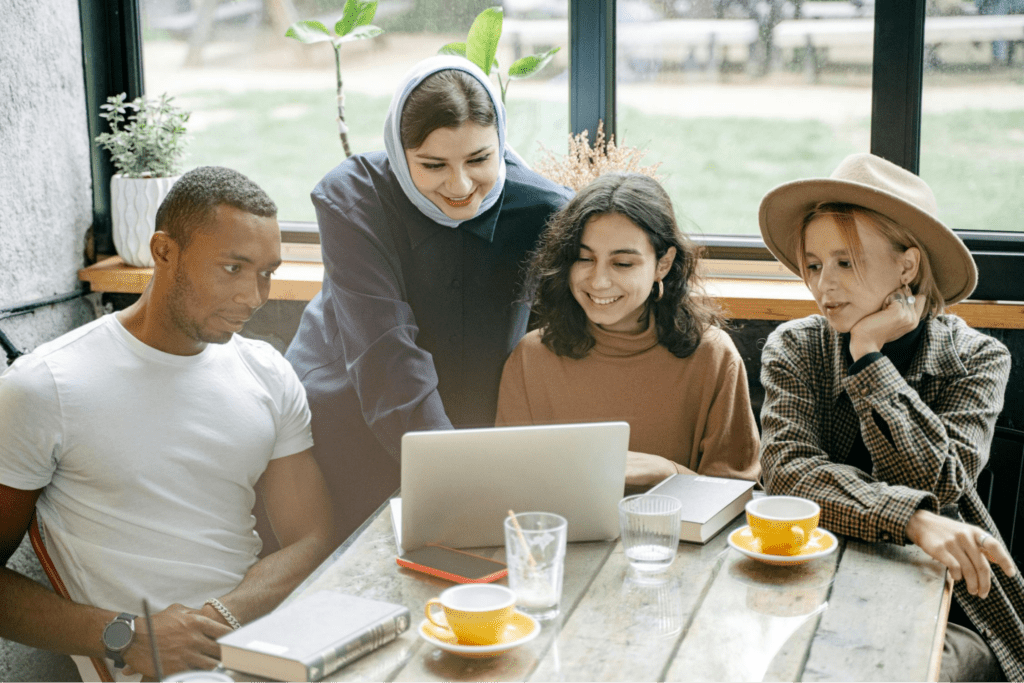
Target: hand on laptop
{"type": "Point", "coordinates": [645, 469]}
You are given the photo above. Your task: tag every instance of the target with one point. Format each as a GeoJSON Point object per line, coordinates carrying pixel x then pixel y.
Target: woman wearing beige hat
{"type": "Point", "coordinates": [882, 409]}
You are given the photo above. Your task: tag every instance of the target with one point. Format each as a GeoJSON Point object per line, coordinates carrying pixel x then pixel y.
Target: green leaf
{"type": "Point", "coordinates": [309, 31]}
{"type": "Point", "coordinates": [359, 33]}
{"type": "Point", "coordinates": [457, 49]}
{"type": "Point", "coordinates": [349, 16]}
{"type": "Point", "coordinates": [527, 66]}
{"type": "Point", "coordinates": [366, 14]}
{"type": "Point", "coordinates": [482, 42]}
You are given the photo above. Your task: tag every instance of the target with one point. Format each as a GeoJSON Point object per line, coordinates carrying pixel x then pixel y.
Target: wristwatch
{"type": "Point", "coordinates": [117, 636]}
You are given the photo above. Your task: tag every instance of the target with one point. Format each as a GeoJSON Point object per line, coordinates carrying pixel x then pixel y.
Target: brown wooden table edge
{"type": "Point", "coordinates": [940, 633]}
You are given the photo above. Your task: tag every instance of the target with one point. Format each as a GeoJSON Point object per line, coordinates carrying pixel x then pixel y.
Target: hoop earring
{"type": "Point", "coordinates": [661, 290]}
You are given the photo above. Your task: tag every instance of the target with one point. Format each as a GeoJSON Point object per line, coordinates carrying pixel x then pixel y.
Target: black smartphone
{"type": "Point", "coordinates": [453, 565]}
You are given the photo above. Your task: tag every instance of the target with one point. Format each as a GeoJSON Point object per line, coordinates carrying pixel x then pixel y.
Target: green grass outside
{"type": "Point", "coordinates": [716, 170]}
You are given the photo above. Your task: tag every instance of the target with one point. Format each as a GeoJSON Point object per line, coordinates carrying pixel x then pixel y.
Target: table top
{"type": "Point", "coordinates": [865, 612]}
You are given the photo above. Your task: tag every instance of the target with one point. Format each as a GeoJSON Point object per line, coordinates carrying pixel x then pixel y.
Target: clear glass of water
{"type": "Point", "coordinates": [650, 531]}
{"type": "Point", "coordinates": [535, 553]}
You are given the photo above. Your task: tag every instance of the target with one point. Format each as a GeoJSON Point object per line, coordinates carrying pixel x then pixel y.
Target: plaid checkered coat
{"type": "Point", "coordinates": [941, 418]}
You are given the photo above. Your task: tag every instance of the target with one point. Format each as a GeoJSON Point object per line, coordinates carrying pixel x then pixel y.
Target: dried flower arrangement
{"type": "Point", "coordinates": [584, 163]}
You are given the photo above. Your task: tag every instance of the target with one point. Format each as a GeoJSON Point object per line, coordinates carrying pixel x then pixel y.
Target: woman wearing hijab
{"type": "Point", "coordinates": [423, 247]}
{"type": "Point", "coordinates": [882, 409]}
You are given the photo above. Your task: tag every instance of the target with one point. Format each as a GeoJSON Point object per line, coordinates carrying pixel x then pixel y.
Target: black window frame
{"type": "Point", "coordinates": [112, 58]}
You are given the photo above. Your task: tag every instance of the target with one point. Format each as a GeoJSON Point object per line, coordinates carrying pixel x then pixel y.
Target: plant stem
{"type": "Point", "coordinates": [503, 86]}
{"type": "Point", "coordinates": [342, 127]}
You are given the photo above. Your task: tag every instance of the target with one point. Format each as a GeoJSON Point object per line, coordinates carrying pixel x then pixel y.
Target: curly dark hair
{"type": "Point", "coordinates": [684, 312]}
{"type": "Point", "coordinates": [190, 204]}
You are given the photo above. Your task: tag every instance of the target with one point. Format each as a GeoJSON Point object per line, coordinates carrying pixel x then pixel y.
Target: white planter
{"type": "Point", "coordinates": [133, 204]}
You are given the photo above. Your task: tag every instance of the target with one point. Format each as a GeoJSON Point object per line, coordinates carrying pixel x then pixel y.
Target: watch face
{"type": "Point", "coordinates": [117, 635]}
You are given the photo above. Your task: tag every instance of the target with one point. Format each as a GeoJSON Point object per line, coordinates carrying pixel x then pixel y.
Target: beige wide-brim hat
{"type": "Point", "coordinates": [874, 183]}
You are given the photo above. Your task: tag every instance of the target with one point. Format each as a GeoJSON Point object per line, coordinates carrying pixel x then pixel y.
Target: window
{"type": "Point", "coordinates": [967, 153]}
{"type": "Point", "coordinates": [266, 104]}
{"type": "Point", "coordinates": [733, 101]}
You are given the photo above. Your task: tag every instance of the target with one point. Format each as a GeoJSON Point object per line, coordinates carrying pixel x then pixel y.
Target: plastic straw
{"type": "Point", "coordinates": [522, 539]}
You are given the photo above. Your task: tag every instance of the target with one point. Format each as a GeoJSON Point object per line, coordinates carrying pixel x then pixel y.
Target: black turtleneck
{"type": "Point", "coordinates": [900, 353]}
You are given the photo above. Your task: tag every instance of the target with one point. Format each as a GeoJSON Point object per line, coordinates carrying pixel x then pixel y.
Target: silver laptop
{"type": "Point", "coordinates": [458, 485]}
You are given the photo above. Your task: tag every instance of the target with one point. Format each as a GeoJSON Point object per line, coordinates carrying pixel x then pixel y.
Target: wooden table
{"type": "Point", "coordinates": [866, 612]}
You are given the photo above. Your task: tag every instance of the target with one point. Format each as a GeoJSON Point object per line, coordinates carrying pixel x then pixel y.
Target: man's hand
{"type": "Point", "coordinates": [186, 639]}
{"type": "Point", "coordinates": [966, 550]}
{"type": "Point", "coordinates": [897, 317]}
{"type": "Point", "coordinates": [644, 469]}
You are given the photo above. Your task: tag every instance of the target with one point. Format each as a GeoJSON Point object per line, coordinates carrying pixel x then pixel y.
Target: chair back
{"type": "Point", "coordinates": [999, 485]}
{"type": "Point", "coordinates": [39, 546]}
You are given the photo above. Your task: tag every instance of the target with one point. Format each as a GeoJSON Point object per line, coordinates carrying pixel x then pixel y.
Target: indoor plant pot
{"type": "Point", "coordinates": [133, 205]}
{"type": "Point", "coordinates": [146, 143]}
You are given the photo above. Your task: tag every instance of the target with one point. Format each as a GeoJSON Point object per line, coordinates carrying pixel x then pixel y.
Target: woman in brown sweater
{"type": "Point", "coordinates": [625, 333]}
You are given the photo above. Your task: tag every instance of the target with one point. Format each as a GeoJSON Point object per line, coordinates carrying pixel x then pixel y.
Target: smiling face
{"type": "Point", "coordinates": [221, 278]}
{"type": "Point", "coordinates": [455, 168]}
{"type": "Point", "coordinates": [615, 272]}
{"type": "Point", "coordinates": [844, 295]}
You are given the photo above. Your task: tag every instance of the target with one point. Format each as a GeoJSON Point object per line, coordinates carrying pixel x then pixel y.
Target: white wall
{"type": "Point", "coordinates": [45, 209]}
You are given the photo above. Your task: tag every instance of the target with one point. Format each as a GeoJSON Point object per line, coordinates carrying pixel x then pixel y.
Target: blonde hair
{"type": "Point", "coordinates": [898, 236]}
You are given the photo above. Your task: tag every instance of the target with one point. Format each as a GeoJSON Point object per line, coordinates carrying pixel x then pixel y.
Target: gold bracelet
{"type": "Point", "coordinates": [224, 612]}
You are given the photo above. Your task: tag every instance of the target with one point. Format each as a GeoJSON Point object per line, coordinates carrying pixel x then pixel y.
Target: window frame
{"type": "Point", "coordinates": [112, 58]}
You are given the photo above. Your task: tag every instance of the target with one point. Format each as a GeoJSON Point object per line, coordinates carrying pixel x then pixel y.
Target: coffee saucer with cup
{"type": "Point", "coordinates": [477, 620]}
{"type": "Point", "coordinates": [822, 544]}
{"type": "Point", "coordinates": [783, 530]}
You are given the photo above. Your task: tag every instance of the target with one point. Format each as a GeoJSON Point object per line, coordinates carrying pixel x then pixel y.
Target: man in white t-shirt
{"type": "Point", "coordinates": [140, 440]}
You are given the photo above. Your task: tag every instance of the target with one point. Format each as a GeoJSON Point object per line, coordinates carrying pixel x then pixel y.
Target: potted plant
{"type": "Point", "coordinates": [481, 46]}
{"type": "Point", "coordinates": [146, 142]}
{"type": "Point", "coordinates": [584, 163]}
{"type": "Point", "coordinates": [354, 24]}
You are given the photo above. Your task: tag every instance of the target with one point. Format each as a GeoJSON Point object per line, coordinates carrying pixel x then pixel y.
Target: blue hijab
{"type": "Point", "coordinates": [393, 137]}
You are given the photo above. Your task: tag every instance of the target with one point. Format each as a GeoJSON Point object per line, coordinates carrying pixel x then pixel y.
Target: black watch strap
{"type": "Point", "coordinates": [118, 636]}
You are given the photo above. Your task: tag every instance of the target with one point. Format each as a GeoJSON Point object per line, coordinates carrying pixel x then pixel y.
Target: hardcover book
{"type": "Point", "coordinates": [312, 637]}
{"type": "Point", "coordinates": [709, 503]}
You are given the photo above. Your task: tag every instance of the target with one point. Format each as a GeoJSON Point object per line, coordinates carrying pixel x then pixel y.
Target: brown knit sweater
{"type": "Point", "coordinates": [693, 411]}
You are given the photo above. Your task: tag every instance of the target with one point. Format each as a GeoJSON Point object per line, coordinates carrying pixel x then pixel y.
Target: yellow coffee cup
{"type": "Point", "coordinates": [475, 613]}
{"type": "Point", "coordinates": [782, 524]}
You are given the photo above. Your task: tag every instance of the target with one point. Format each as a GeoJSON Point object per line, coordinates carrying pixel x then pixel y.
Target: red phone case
{"type": "Point", "coordinates": [499, 573]}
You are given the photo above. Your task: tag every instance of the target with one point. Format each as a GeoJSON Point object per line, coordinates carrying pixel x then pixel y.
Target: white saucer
{"type": "Point", "coordinates": [522, 629]}
{"type": "Point", "coordinates": [821, 543]}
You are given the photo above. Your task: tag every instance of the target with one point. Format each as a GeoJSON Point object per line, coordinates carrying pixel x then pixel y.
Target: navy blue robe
{"type": "Point", "coordinates": [414, 321]}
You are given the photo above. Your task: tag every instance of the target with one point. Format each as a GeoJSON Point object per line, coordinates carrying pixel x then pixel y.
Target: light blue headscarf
{"type": "Point", "coordinates": [393, 137]}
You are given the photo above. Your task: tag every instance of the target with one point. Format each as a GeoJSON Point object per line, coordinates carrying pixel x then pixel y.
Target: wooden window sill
{"type": "Point", "coordinates": [742, 298]}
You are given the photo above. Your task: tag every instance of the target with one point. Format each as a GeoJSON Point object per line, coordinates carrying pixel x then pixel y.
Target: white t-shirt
{"type": "Point", "coordinates": [147, 460]}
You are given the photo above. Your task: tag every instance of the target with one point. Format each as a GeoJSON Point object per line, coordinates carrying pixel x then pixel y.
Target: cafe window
{"type": "Point", "coordinates": [717, 157]}
{"type": "Point", "coordinates": [266, 104]}
{"type": "Point", "coordinates": [972, 129]}
{"type": "Point", "coordinates": [732, 99]}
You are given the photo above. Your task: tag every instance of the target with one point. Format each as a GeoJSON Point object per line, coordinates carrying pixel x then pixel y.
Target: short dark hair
{"type": "Point", "coordinates": [194, 197]}
{"type": "Point", "coordinates": [445, 99]}
{"type": "Point", "coordinates": [684, 312]}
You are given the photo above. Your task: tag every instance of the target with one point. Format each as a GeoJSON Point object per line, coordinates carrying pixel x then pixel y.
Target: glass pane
{"type": "Point", "coordinates": [732, 102]}
{"type": "Point", "coordinates": [266, 104]}
{"type": "Point", "coordinates": [972, 129]}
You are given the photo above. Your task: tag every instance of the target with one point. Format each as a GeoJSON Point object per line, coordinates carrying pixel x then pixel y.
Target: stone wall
{"type": "Point", "coordinates": [45, 211]}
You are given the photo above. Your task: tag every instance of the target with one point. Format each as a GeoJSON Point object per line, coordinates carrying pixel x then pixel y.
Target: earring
{"type": "Point", "coordinates": [661, 290]}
